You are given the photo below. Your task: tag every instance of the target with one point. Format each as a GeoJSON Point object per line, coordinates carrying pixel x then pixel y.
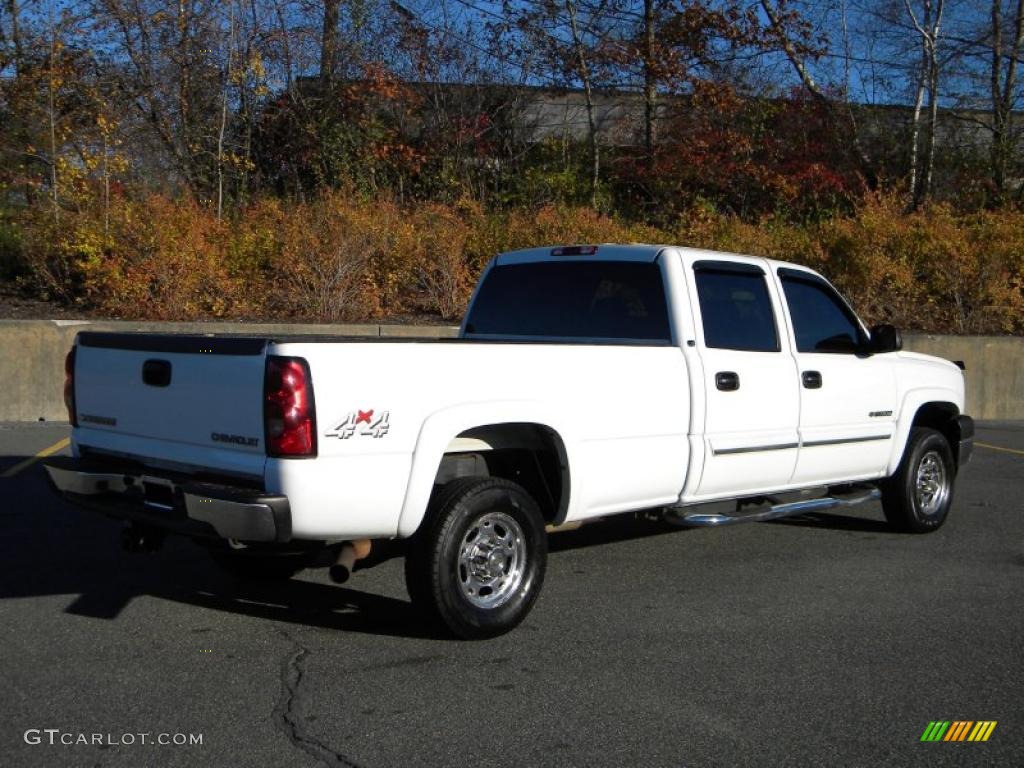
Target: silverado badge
{"type": "Point", "coordinates": [362, 423]}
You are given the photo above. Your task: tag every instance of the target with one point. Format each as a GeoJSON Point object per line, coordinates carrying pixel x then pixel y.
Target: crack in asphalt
{"type": "Point", "coordinates": [284, 715]}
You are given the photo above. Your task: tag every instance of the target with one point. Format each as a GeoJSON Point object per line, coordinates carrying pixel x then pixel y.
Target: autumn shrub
{"type": "Point", "coordinates": [172, 258]}
{"type": "Point", "coordinates": [932, 269]}
{"type": "Point", "coordinates": [155, 258]}
{"type": "Point", "coordinates": [984, 289]}
{"type": "Point", "coordinates": [324, 266]}
{"type": "Point", "coordinates": [51, 263]}
{"type": "Point", "coordinates": [873, 257]}
{"type": "Point", "coordinates": [11, 258]}
{"type": "Point", "coordinates": [344, 257]}
{"type": "Point", "coordinates": [443, 270]}
{"type": "Point", "coordinates": [255, 238]}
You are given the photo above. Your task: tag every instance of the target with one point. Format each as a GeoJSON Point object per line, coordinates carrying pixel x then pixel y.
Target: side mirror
{"type": "Point", "coordinates": [886, 338]}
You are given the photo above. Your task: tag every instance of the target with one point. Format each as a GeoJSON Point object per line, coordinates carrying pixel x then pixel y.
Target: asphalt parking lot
{"type": "Point", "coordinates": [822, 640]}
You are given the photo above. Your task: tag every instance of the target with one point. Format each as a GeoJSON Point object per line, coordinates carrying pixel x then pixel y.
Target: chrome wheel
{"type": "Point", "coordinates": [492, 560]}
{"type": "Point", "coordinates": [931, 486]}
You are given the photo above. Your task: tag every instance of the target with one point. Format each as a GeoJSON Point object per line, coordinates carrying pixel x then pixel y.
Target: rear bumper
{"type": "Point", "coordinates": [966, 447]}
{"type": "Point", "coordinates": [199, 509]}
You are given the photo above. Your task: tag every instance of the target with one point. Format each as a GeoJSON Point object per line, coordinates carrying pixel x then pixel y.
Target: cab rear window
{"type": "Point", "coordinates": [587, 300]}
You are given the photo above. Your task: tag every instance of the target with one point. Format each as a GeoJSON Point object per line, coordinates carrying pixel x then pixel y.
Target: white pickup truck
{"type": "Point", "coordinates": [586, 381]}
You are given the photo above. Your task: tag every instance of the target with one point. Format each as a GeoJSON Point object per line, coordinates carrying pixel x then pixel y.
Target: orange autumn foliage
{"type": "Point", "coordinates": [342, 257]}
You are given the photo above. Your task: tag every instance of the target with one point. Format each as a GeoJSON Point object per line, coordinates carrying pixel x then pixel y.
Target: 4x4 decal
{"type": "Point", "coordinates": [362, 423]}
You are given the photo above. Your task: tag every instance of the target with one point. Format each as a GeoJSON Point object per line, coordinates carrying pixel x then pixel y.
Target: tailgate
{"type": "Point", "coordinates": [166, 396]}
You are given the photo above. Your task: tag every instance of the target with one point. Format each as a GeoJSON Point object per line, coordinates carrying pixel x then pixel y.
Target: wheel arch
{"type": "Point", "coordinates": [523, 428]}
{"type": "Point", "coordinates": [934, 408]}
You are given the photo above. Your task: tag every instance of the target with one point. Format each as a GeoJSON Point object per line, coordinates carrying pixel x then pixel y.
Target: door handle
{"type": "Point", "coordinates": [727, 381]}
{"type": "Point", "coordinates": [811, 379]}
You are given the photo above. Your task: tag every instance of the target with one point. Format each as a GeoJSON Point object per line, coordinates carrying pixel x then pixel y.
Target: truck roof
{"type": "Point", "coordinates": [590, 252]}
{"type": "Point", "coordinates": [646, 252]}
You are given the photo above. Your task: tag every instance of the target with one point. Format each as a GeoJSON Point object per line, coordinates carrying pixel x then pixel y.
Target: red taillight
{"type": "Point", "coordinates": [69, 387]}
{"type": "Point", "coordinates": [289, 417]}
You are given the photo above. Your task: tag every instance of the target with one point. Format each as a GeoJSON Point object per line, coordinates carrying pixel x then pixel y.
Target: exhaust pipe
{"type": "Point", "coordinates": [345, 562]}
{"type": "Point", "coordinates": [140, 538]}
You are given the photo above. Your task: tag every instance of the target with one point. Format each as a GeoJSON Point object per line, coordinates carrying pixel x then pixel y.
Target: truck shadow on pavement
{"type": "Point", "coordinates": [838, 522]}
{"type": "Point", "coordinates": [49, 548]}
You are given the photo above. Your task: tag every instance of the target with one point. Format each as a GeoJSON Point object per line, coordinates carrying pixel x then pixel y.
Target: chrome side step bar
{"type": "Point", "coordinates": [692, 516]}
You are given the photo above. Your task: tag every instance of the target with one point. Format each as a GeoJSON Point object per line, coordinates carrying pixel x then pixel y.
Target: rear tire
{"type": "Point", "coordinates": [917, 498]}
{"type": "Point", "coordinates": [478, 561]}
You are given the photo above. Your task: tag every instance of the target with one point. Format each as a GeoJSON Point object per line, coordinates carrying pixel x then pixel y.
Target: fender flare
{"type": "Point", "coordinates": [913, 400]}
{"type": "Point", "coordinates": [441, 427]}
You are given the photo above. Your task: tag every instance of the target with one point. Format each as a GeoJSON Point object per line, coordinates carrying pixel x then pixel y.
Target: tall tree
{"type": "Point", "coordinates": [650, 84]}
{"type": "Point", "coordinates": [792, 36]}
{"type": "Point", "coordinates": [583, 71]}
{"type": "Point", "coordinates": [567, 43]}
{"type": "Point", "coordinates": [15, 15]}
{"type": "Point", "coordinates": [329, 41]}
{"type": "Point", "coordinates": [51, 107]}
{"type": "Point", "coordinates": [671, 52]}
{"type": "Point", "coordinates": [927, 24]}
{"type": "Point", "coordinates": [164, 55]}
{"type": "Point", "coordinates": [1005, 55]}
{"type": "Point", "coordinates": [229, 55]}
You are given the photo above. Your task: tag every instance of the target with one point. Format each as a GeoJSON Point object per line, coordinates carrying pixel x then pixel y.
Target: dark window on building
{"type": "Point", "coordinates": [822, 321]}
{"type": "Point", "coordinates": [737, 310]}
{"type": "Point", "coordinates": [573, 299]}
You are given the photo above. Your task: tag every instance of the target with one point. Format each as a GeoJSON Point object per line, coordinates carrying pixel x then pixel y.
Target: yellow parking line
{"type": "Point", "coordinates": [1000, 448]}
{"type": "Point", "coordinates": [58, 446]}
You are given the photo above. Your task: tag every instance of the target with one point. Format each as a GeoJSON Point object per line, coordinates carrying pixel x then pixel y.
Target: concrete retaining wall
{"type": "Point", "coordinates": [32, 360]}
{"type": "Point", "coordinates": [32, 354]}
{"type": "Point", "coordinates": [995, 371]}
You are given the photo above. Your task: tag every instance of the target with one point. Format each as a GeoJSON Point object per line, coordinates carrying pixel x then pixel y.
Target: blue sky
{"type": "Point", "coordinates": [875, 58]}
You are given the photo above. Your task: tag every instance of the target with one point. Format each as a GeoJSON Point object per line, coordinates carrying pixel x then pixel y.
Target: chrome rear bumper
{"type": "Point", "coordinates": [201, 509]}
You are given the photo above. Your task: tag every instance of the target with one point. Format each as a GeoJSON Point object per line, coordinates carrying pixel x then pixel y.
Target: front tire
{"type": "Point", "coordinates": [917, 498]}
{"type": "Point", "coordinates": [478, 561]}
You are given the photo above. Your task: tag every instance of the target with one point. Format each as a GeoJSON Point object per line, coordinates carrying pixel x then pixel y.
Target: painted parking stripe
{"type": "Point", "coordinates": [60, 445]}
{"type": "Point", "coordinates": [1000, 448]}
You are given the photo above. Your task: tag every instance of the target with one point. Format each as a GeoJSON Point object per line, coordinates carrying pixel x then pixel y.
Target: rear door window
{"type": "Point", "coordinates": [736, 309]}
